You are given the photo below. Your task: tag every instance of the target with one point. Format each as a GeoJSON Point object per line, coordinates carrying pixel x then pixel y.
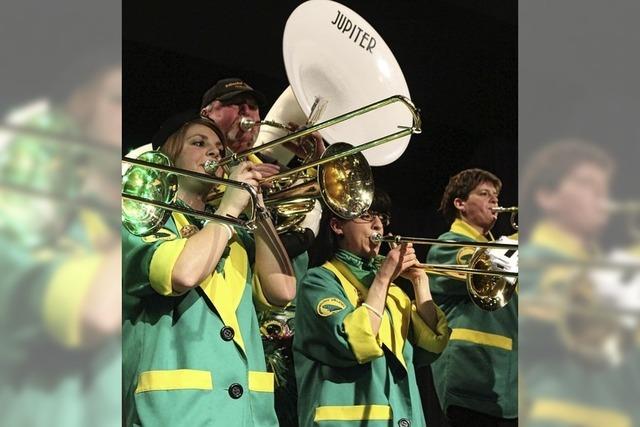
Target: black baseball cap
{"type": "Point", "coordinates": [225, 89]}
{"type": "Point", "coordinates": [177, 121]}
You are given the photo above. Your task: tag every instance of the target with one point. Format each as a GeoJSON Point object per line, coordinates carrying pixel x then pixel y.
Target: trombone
{"type": "Point", "coordinates": [513, 210]}
{"type": "Point", "coordinates": [346, 169]}
{"type": "Point", "coordinates": [415, 128]}
{"type": "Point", "coordinates": [346, 184]}
{"type": "Point", "coordinates": [489, 284]}
{"type": "Point", "coordinates": [150, 188]}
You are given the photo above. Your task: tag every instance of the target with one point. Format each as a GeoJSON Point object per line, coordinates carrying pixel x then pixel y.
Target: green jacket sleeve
{"type": "Point", "coordinates": [428, 344]}
{"type": "Point", "coordinates": [147, 264]}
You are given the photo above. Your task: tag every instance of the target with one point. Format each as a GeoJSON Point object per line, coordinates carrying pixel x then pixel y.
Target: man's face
{"type": "Point", "coordinates": [580, 200]}
{"type": "Point", "coordinates": [476, 210]}
{"type": "Point", "coordinates": [227, 114]}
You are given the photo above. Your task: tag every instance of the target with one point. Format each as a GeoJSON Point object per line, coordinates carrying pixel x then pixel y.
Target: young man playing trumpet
{"type": "Point", "coordinates": [476, 377]}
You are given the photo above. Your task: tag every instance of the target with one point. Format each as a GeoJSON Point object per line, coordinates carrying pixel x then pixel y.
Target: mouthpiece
{"type": "Point", "coordinates": [247, 124]}
{"type": "Point", "coordinates": [210, 166]}
{"type": "Point", "coordinates": [376, 238]}
{"type": "Point", "coordinates": [500, 209]}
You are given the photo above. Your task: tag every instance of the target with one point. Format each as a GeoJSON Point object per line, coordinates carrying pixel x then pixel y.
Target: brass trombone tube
{"type": "Point", "coordinates": [465, 269]}
{"type": "Point", "coordinates": [248, 224]}
{"type": "Point", "coordinates": [512, 219]}
{"type": "Point", "coordinates": [377, 238]}
{"type": "Point", "coordinates": [415, 128]}
{"type": "Point", "coordinates": [500, 209]}
{"type": "Point", "coordinates": [354, 150]}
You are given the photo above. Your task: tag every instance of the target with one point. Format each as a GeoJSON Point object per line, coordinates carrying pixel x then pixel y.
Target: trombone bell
{"type": "Point", "coordinates": [491, 274]}
{"type": "Point", "coordinates": [345, 184]}
{"type": "Point", "coordinates": [142, 219]}
{"type": "Point", "coordinates": [489, 292]}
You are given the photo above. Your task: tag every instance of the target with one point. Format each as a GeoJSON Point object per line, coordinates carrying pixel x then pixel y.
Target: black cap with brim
{"type": "Point", "coordinates": [172, 125]}
{"type": "Point", "coordinates": [226, 89]}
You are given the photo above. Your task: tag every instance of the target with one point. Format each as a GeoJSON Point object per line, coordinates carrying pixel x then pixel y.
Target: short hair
{"type": "Point", "coordinates": [326, 243]}
{"type": "Point", "coordinates": [548, 167]}
{"type": "Point", "coordinates": [172, 147]}
{"type": "Point", "coordinates": [460, 186]}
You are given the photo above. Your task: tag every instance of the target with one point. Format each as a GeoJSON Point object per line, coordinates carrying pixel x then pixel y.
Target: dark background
{"type": "Point", "coordinates": [459, 61]}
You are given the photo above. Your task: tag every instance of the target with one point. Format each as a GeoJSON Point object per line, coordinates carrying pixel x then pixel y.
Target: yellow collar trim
{"type": "Point", "coordinates": [553, 237]}
{"type": "Point", "coordinates": [459, 226]}
{"type": "Point", "coordinates": [225, 293]}
{"type": "Point", "coordinates": [395, 326]}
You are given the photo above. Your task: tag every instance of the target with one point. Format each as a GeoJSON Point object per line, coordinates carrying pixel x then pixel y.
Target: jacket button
{"type": "Point", "coordinates": [227, 333]}
{"type": "Point", "coordinates": [403, 422]}
{"type": "Point", "coordinates": [235, 391]}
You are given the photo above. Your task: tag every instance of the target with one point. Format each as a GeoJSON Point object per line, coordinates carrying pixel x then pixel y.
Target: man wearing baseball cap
{"type": "Point", "coordinates": [226, 103]}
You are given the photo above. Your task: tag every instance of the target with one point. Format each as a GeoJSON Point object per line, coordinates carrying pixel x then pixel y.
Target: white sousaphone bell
{"type": "Point", "coordinates": [332, 53]}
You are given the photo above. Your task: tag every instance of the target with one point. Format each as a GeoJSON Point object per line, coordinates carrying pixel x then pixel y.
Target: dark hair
{"type": "Point", "coordinates": [548, 167]}
{"type": "Point", "coordinates": [172, 147]}
{"type": "Point", "coordinates": [326, 243]}
{"type": "Point", "coordinates": [460, 185]}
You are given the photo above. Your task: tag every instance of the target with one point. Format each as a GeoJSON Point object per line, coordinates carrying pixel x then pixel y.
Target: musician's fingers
{"type": "Point", "coordinates": [255, 175]}
{"type": "Point", "coordinates": [410, 258]}
{"type": "Point", "coordinates": [266, 168]}
{"type": "Point", "coordinates": [246, 165]}
{"type": "Point", "coordinates": [392, 245]}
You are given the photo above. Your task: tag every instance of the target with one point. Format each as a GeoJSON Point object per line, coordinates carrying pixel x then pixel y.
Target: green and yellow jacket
{"type": "Point", "coordinates": [195, 358]}
{"type": "Point", "coordinates": [479, 368]}
{"type": "Point", "coordinates": [346, 375]}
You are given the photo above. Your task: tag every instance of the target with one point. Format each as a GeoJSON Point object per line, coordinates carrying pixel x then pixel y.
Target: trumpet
{"type": "Point", "coordinates": [489, 277]}
{"type": "Point", "coordinates": [513, 210]}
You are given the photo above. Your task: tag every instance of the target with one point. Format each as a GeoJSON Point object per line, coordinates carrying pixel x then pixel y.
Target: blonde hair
{"type": "Point", "coordinates": [174, 144]}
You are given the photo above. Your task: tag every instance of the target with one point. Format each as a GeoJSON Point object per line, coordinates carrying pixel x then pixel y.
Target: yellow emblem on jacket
{"type": "Point", "coordinates": [329, 306]}
{"type": "Point", "coordinates": [162, 234]}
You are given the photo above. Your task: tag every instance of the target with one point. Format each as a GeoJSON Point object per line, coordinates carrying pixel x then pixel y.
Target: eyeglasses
{"type": "Point", "coordinates": [370, 215]}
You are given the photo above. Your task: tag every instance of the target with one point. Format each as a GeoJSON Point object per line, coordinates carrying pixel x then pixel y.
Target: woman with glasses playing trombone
{"type": "Point", "coordinates": [358, 336]}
